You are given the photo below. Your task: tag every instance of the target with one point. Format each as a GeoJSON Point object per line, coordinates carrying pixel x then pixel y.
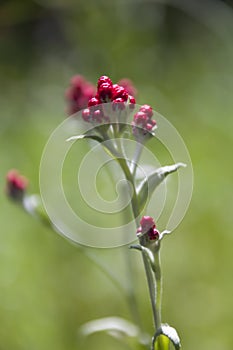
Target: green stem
{"type": "Point", "coordinates": [153, 276]}
{"type": "Point", "coordinates": [118, 155]}
{"type": "Point", "coordinates": [158, 297]}
{"type": "Point", "coordinates": [151, 285]}
{"type": "Point", "coordinates": [134, 200]}
{"type": "Point", "coordinates": [137, 154]}
{"type": "Point", "coordinates": [158, 280]}
{"type": "Point", "coordinates": [131, 295]}
{"type": "Point", "coordinates": [130, 290]}
{"type": "Point", "coordinates": [135, 208]}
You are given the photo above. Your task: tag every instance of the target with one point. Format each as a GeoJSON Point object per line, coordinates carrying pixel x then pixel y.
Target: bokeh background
{"type": "Point", "coordinates": [179, 55]}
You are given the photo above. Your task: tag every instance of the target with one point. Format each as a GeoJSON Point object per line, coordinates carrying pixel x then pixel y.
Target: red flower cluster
{"type": "Point", "coordinates": [16, 185]}
{"type": "Point", "coordinates": [78, 94]}
{"type": "Point", "coordinates": [109, 92]}
{"type": "Point", "coordinates": [148, 228]}
{"type": "Point", "coordinates": [106, 92]}
{"type": "Point", "coordinates": [94, 114]}
{"type": "Point", "coordinates": [142, 122]}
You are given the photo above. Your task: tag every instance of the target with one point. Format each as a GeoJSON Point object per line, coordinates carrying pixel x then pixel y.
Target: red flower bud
{"type": "Point", "coordinates": [16, 185]}
{"type": "Point", "coordinates": [153, 234]}
{"type": "Point", "coordinates": [148, 228]}
{"type": "Point", "coordinates": [119, 92]}
{"type": "Point", "coordinates": [146, 223]}
{"type": "Point", "coordinates": [118, 103]}
{"type": "Point", "coordinates": [94, 101]}
{"type": "Point", "coordinates": [105, 92]}
{"type": "Point", "coordinates": [148, 110]}
{"type": "Point", "coordinates": [97, 116]}
{"type": "Point", "coordinates": [86, 114]}
{"type": "Point", "coordinates": [142, 119]}
{"type": "Point", "coordinates": [78, 94]}
{"type": "Point", "coordinates": [102, 80]}
{"type": "Point", "coordinates": [132, 102]}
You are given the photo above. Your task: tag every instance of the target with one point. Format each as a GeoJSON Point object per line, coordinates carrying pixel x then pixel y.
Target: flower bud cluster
{"type": "Point", "coordinates": [107, 92]}
{"type": "Point", "coordinates": [78, 94]}
{"type": "Point", "coordinates": [143, 124]}
{"type": "Point", "coordinates": [148, 229]}
{"type": "Point", "coordinates": [16, 185]}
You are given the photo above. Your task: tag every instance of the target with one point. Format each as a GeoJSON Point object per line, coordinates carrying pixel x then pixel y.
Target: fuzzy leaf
{"type": "Point", "coordinates": [116, 327]}
{"type": "Point", "coordinates": [146, 188]}
{"type": "Point", "coordinates": [108, 147]}
{"type": "Point", "coordinates": [85, 136]}
{"type": "Point", "coordinates": [170, 333]}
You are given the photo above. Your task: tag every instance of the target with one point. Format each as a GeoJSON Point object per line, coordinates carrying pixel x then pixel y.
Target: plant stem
{"type": "Point", "coordinates": [118, 155]}
{"type": "Point", "coordinates": [134, 199]}
{"type": "Point", "coordinates": [131, 295]}
{"type": "Point", "coordinates": [136, 157]}
{"type": "Point", "coordinates": [158, 297]}
{"type": "Point", "coordinates": [153, 275]}
{"type": "Point", "coordinates": [151, 286]}
{"type": "Point", "coordinates": [158, 281]}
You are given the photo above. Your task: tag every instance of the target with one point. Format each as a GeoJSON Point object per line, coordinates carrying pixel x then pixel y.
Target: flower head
{"type": "Point", "coordinates": [82, 95]}
{"type": "Point", "coordinates": [16, 185]}
{"type": "Point", "coordinates": [148, 229]}
{"type": "Point", "coordinates": [106, 92]}
{"type": "Point", "coordinates": [143, 124]}
{"type": "Point", "coordinates": [78, 94]}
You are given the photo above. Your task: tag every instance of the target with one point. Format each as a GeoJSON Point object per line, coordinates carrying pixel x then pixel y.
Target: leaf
{"type": "Point", "coordinates": [117, 327]}
{"type": "Point", "coordinates": [85, 136]}
{"type": "Point", "coordinates": [146, 188]}
{"type": "Point", "coordinates": [170, 333]}
{"type": "Point", "coordinates": [107, 146]}
{"type": "Point", "coordinates": [141, 171]}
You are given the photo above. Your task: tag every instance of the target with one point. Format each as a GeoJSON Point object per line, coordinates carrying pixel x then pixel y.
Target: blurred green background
{"type": "Point", "coordinates": [179, 55]}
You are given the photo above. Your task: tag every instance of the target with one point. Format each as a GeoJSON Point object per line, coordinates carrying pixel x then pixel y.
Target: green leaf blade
{"type": "Point", "coordinates": [149, 184]}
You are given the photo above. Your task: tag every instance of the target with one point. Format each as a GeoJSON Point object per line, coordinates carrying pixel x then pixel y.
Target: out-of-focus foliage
{"type": "Point", "coordinates": [179, 55]}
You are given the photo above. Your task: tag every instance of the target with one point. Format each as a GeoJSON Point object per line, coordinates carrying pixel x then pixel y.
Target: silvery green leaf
{"type": "Point", "coordinates": [85, 136]}
{"type": "Point", "coordinates": [108, 147]}
{"type": "Point", "coordinates": [170, 333]}
{"type": "Point", "coordinates": [115, 326]}
{"type": "Point", "coordinates": [146, 188]}
{"type": "Point", "coordinates": [142, 170]}
{"type": "Point", "coordinates": [118, 328]}
{"type": "Point", "coordinates": [163, 234]}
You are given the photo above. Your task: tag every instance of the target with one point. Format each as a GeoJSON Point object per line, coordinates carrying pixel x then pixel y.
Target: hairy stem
{"type": "Point", "coordinates": [151, 286]}
{"type": "Point", "coordinates": [158, 298]}
{"type": "Point", "coordinates": [136, 158]}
